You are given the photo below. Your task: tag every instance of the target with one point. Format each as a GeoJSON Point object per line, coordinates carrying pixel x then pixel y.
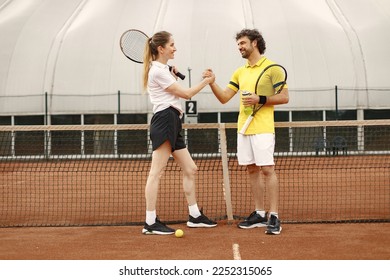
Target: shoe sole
{"type": "Point", "coordinates": [274, 232]}
{"type": "Point", "coordinates": [148, 232]}
{"type": "Point", "coordinates": [200, 225]}
{"type": "Point", "coordinates": [253, 226]}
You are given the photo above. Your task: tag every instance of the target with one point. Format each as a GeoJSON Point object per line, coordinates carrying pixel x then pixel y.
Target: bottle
{"type": "Point", "coordinates": [247, 109]}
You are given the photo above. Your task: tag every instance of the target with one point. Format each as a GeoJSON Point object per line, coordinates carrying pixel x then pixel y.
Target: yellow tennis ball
{"type": "Point", "coordinates": [179, 233]}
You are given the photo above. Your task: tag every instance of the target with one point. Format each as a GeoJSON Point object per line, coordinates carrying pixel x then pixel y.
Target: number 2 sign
{"type": "Point", "coordinates": [191, 108]}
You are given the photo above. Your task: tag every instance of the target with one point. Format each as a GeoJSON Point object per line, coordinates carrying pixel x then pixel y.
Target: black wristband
{"type": "Point", "coordinates": [262, 99]}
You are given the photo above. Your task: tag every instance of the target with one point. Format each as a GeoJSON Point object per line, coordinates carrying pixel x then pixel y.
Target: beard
{"type": "Point", "coordinates": [246, 53]}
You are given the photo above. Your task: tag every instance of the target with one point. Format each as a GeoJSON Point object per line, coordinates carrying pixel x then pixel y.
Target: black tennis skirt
{"type": "Point", "coordinates": [166, 125]}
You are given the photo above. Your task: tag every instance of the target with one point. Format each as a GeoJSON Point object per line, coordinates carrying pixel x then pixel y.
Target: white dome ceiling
{"type": "Point", "coordinates": [70, 49]}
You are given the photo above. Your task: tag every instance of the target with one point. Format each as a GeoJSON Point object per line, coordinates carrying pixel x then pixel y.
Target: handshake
{"type": "Point", "coordinates": [209, 76]}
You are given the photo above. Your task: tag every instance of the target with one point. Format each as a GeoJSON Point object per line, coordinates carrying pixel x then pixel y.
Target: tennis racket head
{"type": "Point", "coordinates": [278, 79]}
{"type": "Point", "coordinates": [132, 44]}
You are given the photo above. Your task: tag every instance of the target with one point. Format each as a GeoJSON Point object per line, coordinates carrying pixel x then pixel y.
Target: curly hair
{"type": "Point", "coordinates": [253, 34]}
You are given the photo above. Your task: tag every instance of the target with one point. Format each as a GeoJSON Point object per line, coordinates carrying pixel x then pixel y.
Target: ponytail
{"type": "Point", "coordinates": [148, 57]}
{"type": "Point", "coordinates": [150, 52]}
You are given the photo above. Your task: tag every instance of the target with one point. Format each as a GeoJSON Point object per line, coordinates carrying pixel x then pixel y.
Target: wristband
{"type": "Point", "coordinates": [262, 99]}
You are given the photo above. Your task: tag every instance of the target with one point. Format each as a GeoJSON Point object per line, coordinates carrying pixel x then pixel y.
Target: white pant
{"type": "Point", "coordinates": [256, 149]}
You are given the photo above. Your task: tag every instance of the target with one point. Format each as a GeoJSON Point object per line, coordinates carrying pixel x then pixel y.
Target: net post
{"type": "Point", "coordinates": [225, 170]}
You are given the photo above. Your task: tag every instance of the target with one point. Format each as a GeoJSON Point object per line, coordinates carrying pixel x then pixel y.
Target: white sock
{"type": "Point", "coordinates": [194, 210]}
{"type": "Point", "coordinates": [151, 217]}
{"type": "Point", "coordinates": [261, 213]}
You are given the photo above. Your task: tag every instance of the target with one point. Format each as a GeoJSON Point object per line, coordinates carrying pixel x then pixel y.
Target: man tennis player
{"type": "Point", "coordinates": [255, 148]}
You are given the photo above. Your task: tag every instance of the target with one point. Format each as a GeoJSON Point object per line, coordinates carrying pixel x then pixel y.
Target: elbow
{"type": "Point", "coordinates": [222, 100]}
{"type": "Point", "coordinates": [187, 95]}
{"type": "Point", "coordinates": [285, 98]}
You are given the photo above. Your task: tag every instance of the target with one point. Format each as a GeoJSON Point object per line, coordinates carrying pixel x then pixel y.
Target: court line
{"type": "Point", "coordinates": [236, 252]}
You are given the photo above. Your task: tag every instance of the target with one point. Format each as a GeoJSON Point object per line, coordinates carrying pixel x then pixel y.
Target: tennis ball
{"type": "Point", "coordinates": [179, 233]}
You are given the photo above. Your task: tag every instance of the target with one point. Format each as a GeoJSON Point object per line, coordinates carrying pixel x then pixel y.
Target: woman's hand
{"type": "Point", "coordinates": [209, 76]}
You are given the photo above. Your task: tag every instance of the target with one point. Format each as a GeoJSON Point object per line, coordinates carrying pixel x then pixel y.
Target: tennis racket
{"type": "Point", "coordinates": [132, 44]}
{"type": "Point", "coordinates": [257, 107]}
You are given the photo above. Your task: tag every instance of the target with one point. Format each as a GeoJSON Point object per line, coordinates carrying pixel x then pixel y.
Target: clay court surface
{"type": "Point", "coordinates": [112, 194]}
{"type": "Point", "coordinates": [333, 241]}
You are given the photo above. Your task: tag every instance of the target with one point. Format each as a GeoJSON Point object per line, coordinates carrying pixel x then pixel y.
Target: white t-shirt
{"type": "Point", "coordinates": [159, 79]}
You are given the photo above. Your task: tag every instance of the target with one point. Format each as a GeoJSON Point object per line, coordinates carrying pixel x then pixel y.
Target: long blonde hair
{"type": "Point", "coordinates": [151, 51]}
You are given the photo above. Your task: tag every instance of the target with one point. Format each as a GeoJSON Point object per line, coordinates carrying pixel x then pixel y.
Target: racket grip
{"type": "Point", "coordinates": [180, 75]}
{"type": "Point", "coordinates": [246, 124]}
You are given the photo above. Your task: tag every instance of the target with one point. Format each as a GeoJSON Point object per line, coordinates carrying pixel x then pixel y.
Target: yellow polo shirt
{"type": "Point", "coordinates": [244, 79]}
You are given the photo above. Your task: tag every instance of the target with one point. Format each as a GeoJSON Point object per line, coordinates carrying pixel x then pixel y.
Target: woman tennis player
{"type": "Point", "coordinates": [165, 131]}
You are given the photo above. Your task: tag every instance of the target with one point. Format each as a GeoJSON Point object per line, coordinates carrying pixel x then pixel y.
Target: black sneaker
{"type": "Point", "coordinates": [273, 226]}
{"type": "Point", "coordinates": [201, 221]}
{"type": "Point", "coordinates": [157, 228]}
{"type": "Point", "coordinates": [254, 220]}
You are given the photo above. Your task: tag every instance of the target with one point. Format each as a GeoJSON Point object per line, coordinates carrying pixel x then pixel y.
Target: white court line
{"type": "Point", "coordinates": [236, 252]}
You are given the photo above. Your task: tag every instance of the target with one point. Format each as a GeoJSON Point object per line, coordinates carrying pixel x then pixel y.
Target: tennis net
{"type": "Point", "coordinates": [336, 171]}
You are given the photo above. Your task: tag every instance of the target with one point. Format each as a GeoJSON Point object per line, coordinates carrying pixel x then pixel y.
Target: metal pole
{"type": "Point", "coordinates": [189, 85]}
{"type": "Point", "coordinates": [119, 102]}
{"type": "Point", "coordinates": [336, 102]}
{"type": "Point", "coordinates": [189, 76]}
{"type": "Point", "coordinates": [47, 133]}
{"type": "Point", "coordinates": [46, 109]}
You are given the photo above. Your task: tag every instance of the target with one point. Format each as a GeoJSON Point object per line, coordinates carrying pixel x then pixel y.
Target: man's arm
{"type": "Point", "coordinates": [277, 99]}
{"type": "Point", "coordinates": [223, 95]}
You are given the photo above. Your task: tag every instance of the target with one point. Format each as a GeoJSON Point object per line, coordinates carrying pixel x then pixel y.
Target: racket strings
{"type": "Point", "coordinates": [281, 85]}
{"type": "Point", "coordinates": [133, 45]}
